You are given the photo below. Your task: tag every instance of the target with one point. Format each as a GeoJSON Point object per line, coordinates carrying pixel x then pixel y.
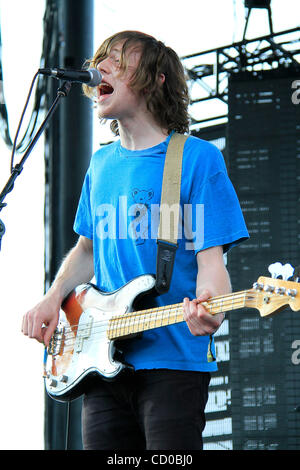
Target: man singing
{"type": "Point", "coordinates": [161, 404]}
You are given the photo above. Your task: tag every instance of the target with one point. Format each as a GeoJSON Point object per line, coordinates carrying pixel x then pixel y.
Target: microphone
{"type": "Point", "coordinates": [91, 77]}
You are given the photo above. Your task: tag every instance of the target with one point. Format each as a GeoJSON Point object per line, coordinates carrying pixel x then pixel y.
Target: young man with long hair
{"type": "Point", "coordinates": [160, 405]}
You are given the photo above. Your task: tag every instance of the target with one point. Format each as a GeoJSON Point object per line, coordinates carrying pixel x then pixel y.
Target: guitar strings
{"type": "Point", "coordinates": [162, 310]}
{"type": "Point", "coordinates": [73, 340]}
{"type": "Point", "coordinates": [133, 319]}
{"type": "Point", "coordinates": [146, 314]}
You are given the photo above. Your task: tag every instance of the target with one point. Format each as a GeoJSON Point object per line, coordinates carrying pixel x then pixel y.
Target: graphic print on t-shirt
{"type": "Point", "coordinates": [141, 211]}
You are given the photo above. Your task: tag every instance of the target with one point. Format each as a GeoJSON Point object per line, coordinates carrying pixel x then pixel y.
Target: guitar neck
{"type": "Point", "coordinates": [137, 322]}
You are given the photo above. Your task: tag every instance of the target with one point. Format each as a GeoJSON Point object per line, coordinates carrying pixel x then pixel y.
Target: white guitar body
{"type": "Point", "coordinates": [81, 346]}
{"type": "Point", "coordinates": [91, 321]}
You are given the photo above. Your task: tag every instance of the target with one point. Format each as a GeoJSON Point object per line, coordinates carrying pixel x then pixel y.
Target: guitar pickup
{"type": "Point", "coordinates": [83, 332]}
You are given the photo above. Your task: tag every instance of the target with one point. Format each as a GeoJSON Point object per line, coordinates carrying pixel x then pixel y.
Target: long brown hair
{"type": "Point", "coordinates": [167, 103]}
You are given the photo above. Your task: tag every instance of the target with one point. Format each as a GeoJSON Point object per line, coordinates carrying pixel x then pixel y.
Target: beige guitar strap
{"type": "Point", "coordinates": [169, 213]}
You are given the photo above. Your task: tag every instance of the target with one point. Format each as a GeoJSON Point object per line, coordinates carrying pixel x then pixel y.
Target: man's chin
{"type": "Point", "coordinates": [104, 115]}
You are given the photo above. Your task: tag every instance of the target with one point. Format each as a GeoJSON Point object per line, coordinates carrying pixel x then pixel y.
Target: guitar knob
{"type": "Point", "coordinates": [53, 383]}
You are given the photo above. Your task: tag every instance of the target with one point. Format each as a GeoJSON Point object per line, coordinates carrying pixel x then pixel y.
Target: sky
{"type": "Point", "coordinates": [188, 27]}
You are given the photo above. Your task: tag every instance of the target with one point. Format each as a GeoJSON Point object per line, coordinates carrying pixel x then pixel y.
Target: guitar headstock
{"type": "Point", "coordinates": [273, 294]}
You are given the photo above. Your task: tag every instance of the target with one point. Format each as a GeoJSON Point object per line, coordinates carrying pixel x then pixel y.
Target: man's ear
{"type": "Point", "coordinates": [162, 78]}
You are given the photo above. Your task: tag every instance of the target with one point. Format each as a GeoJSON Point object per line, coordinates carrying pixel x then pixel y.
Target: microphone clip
{"type": "Point", "coordinates": [64, 90]}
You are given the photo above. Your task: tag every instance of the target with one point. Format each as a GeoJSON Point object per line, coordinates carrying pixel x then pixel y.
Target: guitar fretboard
{"type": "Point", "coordinates": [136, 322]}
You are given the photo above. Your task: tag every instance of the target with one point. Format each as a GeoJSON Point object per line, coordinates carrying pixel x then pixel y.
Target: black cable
{"type": "Point", "coordinates": [50, 27]}
{"type": "Point", "coordinates": [20, 122]}
{"type": "Point", "coordinates": [68, 425]}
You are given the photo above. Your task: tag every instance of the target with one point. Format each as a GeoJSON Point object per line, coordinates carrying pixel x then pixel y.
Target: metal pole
{"type": "Point", "coordinates": [67, 153]}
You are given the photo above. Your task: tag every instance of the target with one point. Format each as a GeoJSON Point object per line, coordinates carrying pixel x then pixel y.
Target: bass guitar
{"type": "Point", "coordinates": [83, 343]}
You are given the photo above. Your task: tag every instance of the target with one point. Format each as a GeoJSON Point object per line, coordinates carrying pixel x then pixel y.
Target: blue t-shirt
{"type": "Point", "coordinates": [119, 211]}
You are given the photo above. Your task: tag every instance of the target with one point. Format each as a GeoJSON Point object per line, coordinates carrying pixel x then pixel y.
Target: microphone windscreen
{"type": "Point", "coordinates": [96, 77]}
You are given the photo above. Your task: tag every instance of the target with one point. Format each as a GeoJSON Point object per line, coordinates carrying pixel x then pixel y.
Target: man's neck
{"type": "Point", "coordinates": [141, 135]}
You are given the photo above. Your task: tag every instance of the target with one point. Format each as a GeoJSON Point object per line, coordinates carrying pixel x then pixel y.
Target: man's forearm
{"type": "Point", "coordinates": [215, 280]}
{"type": "Point", "coordinates": [212, 280]}
{"type": "Point", "coordinates": [77, 268]}
{"type": "Point", "coordinates": [40, 322]}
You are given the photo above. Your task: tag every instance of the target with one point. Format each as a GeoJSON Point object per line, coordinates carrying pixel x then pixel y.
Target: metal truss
{"type": "Point", "coordinates": [208, 71]}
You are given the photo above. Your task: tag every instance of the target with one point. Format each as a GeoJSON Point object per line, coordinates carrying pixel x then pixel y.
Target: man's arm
{"type": "Point", "coordinates": [77, 268]}
{"type": "Point", "coordinates": [212, 280]}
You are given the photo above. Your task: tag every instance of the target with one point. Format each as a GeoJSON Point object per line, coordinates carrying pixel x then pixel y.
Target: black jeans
{"type": "Point", "coordinates": [149, 409]}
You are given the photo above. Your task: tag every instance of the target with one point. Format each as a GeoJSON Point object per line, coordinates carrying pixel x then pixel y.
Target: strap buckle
{"type": "Point", "coordinates": [166, 252]}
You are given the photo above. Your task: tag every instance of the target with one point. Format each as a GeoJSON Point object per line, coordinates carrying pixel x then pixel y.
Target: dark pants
{"type": "Point", "coordinates": [149, 409]}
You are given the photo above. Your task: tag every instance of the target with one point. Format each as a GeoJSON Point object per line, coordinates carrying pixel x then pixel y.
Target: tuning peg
{"type": "Point", "coordinates": [275, 270]}
{"type": "Point", "coordinates": [292, 292]}
{"type": "Point", "coordinates": [287, 271]}
{"type": "Point", "coordinates": [258, 286]}
{"type": "Point", "coordinates": [279, 290]}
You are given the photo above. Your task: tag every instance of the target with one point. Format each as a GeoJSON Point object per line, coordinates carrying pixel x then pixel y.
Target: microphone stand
{"type": "Point", "coordinates": [62, 92]}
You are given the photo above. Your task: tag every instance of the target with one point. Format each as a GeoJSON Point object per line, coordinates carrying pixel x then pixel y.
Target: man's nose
{"type": "Point", "coordinates": [104, 66]}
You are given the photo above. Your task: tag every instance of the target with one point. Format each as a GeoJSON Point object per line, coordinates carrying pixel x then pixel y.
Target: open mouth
{"type": "Point", "coordinates": [105, 89]}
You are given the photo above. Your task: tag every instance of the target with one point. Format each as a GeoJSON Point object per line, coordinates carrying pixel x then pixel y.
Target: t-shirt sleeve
{"type": "Point", "coordinates": [221, 222]}
{"type": "Point", "coordinates": [83, 224]}
{"type": "Point", "coordinates": [217, 215]}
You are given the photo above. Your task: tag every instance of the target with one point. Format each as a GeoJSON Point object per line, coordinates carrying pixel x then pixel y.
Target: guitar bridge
{"type": "Point", "coordinates": [57, 341]}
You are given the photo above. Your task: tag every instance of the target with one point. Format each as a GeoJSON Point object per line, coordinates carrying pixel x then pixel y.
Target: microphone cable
{"type": "Point", "coordinates": [20, 123]}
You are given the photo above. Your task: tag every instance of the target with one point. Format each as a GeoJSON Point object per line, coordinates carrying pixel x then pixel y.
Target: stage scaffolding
{"type": "Point", "coordinates": [255, 396]}
{"type": "Point", "coordinates": [208, 72]}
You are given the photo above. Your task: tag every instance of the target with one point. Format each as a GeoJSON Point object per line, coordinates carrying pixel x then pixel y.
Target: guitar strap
{"type": "Point", "coordinates": [169, 213]}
